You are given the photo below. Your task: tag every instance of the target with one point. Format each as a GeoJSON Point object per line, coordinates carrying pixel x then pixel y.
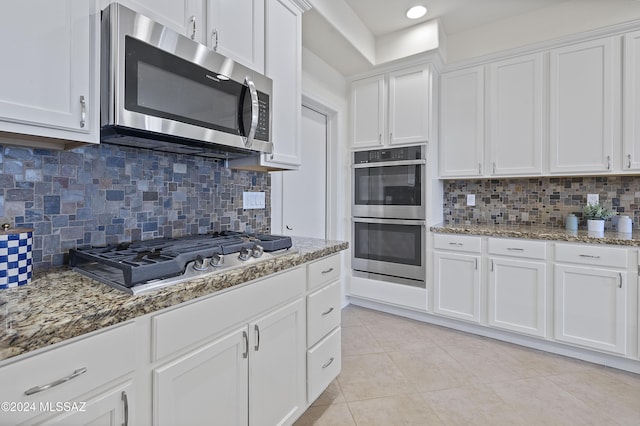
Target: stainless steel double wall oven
{"type": "Point", "coordinates": [388, 212]}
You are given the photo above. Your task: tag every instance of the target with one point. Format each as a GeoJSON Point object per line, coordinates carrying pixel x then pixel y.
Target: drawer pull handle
{"type": "Point", "coordinates": [71, 376]}
{"type": "Point", "coordinates": [515, 249]}
{"type": "Point", "coordinates": [328, 363]}
{"type": "Point", "coordinates": [590, 256]}
{"type": "Point", "coordinates": [326, 271]}
{"type": "Point", "coordinates": [327, 312]}
{"type": "Point", "coordinates": [456, 244]}
{"type": "Point", "coordinates": [125, 402]}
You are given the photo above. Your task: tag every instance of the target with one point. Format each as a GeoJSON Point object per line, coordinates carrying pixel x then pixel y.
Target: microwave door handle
{"type": "Point", "coordinates": [255, 111]}
{"type": "Point", "coordinates": [389, 164]}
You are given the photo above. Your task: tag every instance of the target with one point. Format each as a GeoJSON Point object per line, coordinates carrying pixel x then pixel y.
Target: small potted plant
{"type": "Point", "coordinates": [596, 214]}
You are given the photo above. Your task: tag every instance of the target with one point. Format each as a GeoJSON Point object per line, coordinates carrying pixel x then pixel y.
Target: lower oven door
{"type": "Point", "coordinates": [390, 250]}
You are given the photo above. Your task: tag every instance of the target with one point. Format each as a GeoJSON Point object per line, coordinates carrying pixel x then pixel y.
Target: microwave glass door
{"type": "Point", "coordinates": [388, 185]}
{"type": "Point", "coordinates": [160, 84]}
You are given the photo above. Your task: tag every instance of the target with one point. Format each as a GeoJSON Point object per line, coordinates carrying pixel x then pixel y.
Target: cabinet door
{"type": "Point", "coordinates": [368, 110]}
{"type": "Point", "coordinates": [457, 285]}
{"type": "Point", "coordinates": [184, 16]}
{"type": "Point", "coordinates": [517, 296]}
{"type": "Point", "coordinates": [236, 30]}
{"type": "Point", "coordinates": [590, 307]}
{"type": "Point", "coordinates": [277, 364]}
{"type": "Point", "coordinates": [462, 123]}
{"type": "Point", "coordinates": [49, 84]}
{"type": "Point", "coordinates": [631, 152]}
{"type": "Point", "coordinates": [584, 89]}
{"type": "Point", "coordinates": [409, 106]}
{"type": "Point", "coordinates": [283, 64]}
{"type": "Point", "coordinates": [515, 119]}
{"type": "Point", "coordinates": [208, 383]}
{"type": "Point", "coordinates": [110, 408]}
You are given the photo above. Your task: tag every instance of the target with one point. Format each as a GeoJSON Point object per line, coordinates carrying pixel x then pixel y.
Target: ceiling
{"type": "Point", "coordinates": [461, 21]}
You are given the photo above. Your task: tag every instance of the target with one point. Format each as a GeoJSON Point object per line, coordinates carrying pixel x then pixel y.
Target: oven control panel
{"type": "Point", "coordinates": [388, 154]}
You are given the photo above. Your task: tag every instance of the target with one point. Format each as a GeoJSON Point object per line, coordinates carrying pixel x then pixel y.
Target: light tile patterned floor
{"type": "Point", "coordinates": [396, 371]}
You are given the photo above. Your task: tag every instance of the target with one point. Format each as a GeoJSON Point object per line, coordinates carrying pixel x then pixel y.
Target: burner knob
{"type": "Point", "coordinates": [257, 250]}
{"type": "Point", "coordinates": [245, 254]}
{"type": "Point", "coordinates": [217, 260]}
{"type": "Point", "coordinates": [199, 264]}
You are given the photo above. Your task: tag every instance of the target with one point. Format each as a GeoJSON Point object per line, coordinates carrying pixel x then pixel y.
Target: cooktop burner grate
{"type": "Point", "coordinates": [131, 264]}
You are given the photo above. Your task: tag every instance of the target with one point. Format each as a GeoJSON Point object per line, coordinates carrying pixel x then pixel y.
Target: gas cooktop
{"type": "Point", "coordinates": [143, 266]}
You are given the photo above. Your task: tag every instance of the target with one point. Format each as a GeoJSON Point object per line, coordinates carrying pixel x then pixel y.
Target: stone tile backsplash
{"type": "Point", "coordinates": [538, 201]}
{"type": "Point", "coordinates": [106, 194]}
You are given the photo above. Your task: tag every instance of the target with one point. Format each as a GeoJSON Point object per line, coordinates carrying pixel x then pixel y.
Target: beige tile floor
{"type": "Point", "coordinates": [396, 371]}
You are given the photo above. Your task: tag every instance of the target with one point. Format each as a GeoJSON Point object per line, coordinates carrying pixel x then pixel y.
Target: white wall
{"type": "Point", "coordinates": [549, 23]}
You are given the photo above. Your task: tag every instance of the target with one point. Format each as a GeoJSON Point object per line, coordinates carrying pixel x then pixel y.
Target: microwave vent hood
{"type": "Point", "coordinates": [162, 91]}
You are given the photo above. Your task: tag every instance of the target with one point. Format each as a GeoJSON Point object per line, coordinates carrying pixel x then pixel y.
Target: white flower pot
{"type": "Point", "coordinates": [595, 225]}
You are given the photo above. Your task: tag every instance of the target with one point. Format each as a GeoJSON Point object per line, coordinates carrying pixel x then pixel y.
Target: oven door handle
{"type": "Point", "coordinates": [390, 221]}
{"type": "Point", "coordinates": [390, 164]}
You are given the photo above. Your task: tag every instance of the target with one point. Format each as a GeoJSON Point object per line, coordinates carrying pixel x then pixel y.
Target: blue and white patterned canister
{"type": "Point", "coordinates": [16, 264]}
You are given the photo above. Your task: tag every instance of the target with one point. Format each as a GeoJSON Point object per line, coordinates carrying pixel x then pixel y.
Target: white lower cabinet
{"type": "Point", "coordinates": [590, 307]}
{"type": "Point", "coordinates": [73, 384]}
{"type": "Point", "coordinates": [209, 383]}
{"type": "Point", "coordinates": [277, 366]}
{"type": "Point", "coordinates": [456, 276]}
{"type": "Point", "coordinates": [517, 295]}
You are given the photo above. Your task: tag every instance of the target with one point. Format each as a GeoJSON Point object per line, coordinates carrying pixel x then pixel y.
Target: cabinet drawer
{"type": "Point", "coordinates": [192, 324]}
{"type": "Point", "coordinates": [518, 248]}
{"type": "Point", "coordinates": [93, 361]}
{"type": "Point", "coordinates": [323, 364]}
{"type": "Point", "coordinates": [323, 271]}
{"type": "Point", "coordinates": [592, 255]}
{"type": "Point", "coordinates": [457, 243]}
{"type": "Point", "coordinates": [323, 312]}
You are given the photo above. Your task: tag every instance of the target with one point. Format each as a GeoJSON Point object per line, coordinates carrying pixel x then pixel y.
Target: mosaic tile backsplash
{"type": "Point", "coordinates": [105, 194]}
{"type": "Point", "coordinates": [538, 201]}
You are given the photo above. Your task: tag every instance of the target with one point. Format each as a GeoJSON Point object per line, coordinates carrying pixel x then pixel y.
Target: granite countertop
{"type": "Point", "coordinates": [61, 304]}
{"type": "Point", "coordinates": [540, 233]}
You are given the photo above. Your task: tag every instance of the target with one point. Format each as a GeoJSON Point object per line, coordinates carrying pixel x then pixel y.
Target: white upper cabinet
{"type": "Point", "coordinates": [462, 123]}
{"type": "Point", "coordinates": [368, 109]}
{"type": "Point", "coordinates": [236, 30]}
{"type": "Point", "coordinates": [584, 92]}
{"type": "Point", "coordinates": [49, 85]}
{"type": "Point", "coordinates": [515, 133]}
{"type": "Point", "coordinates": [391, 109]}
{"type": "Point", "coordinates": [631, 136]}
{"type": "Point", "coordinates": [184, 16]}
{"type": "Point", "coordinates": [409, 100]}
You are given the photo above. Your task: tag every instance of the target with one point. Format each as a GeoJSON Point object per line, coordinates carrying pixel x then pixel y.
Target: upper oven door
{"type": "Point", "coordinates": [393, 189]}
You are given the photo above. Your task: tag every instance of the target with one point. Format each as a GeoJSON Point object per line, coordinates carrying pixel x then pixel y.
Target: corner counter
{"type": "Point", "coordinates": [62, 304]}
{"type": "Point", "coordinates": [540, 233]}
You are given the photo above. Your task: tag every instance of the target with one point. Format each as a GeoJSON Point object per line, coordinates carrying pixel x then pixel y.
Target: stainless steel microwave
{"type": "Point", "coordinates": [163, 91]}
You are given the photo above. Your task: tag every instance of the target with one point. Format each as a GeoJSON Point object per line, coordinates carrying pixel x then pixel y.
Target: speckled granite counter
{"type": "Point", "coordinates": [61, 304]}
{"type": "Point", "coordinates": [540, 233]}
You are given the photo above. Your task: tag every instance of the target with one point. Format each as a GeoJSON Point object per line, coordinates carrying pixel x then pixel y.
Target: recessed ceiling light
{"type": "Point", "coordinates": [416, 12]}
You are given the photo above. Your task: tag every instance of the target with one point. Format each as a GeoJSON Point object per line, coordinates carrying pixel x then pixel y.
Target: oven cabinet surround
{"type": "Point", "coordinates": [100, 372]}
{"type": "Point", "coordinates": [457, 271]}
{"type": "Point", "coordinates": [391, 108]}
{"type": "Point", "coordinates": [52, 91]}
{"type": "Point", "coordinates": [555, 110]}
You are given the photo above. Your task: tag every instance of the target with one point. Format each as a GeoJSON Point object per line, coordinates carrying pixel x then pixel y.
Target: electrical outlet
{"type": "Point", "coordinates": [593, 199]}
{"type": "Point", "coordinates": [471, 199]}
{"type": "Point", "coordinates": [253, 200]}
